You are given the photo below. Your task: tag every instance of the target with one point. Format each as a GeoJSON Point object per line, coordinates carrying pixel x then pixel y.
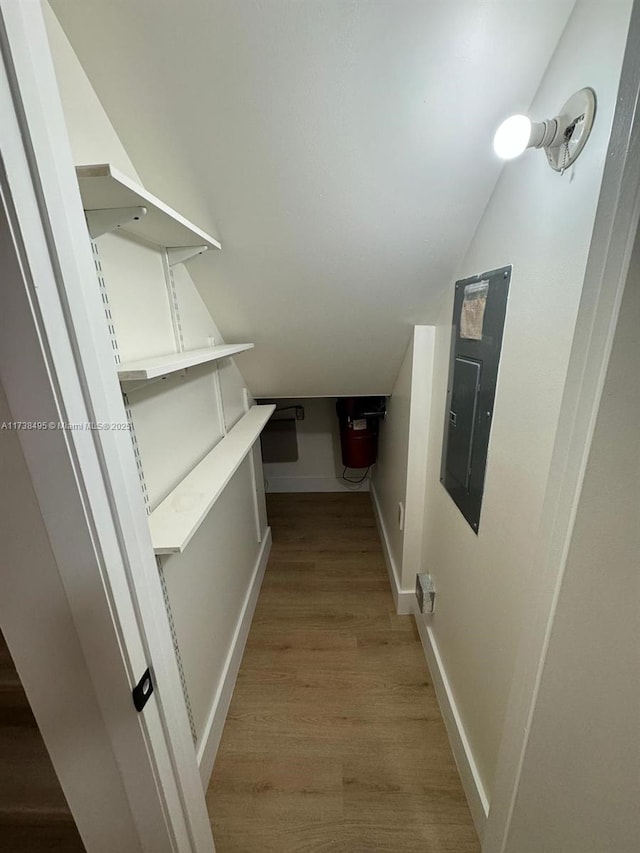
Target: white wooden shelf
{"type": "Point", "coordinates": [174, 522]}
{"type": "Point", "coordinates": [103, 188]}
{"type": "Point", "coordinates": [161, 365]}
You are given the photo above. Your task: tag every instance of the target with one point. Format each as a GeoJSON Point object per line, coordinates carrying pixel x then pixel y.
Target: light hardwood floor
{"type": "Point", "coordinates": [34, 815]}
{"type": "Point", "coordinates": [334, 740]}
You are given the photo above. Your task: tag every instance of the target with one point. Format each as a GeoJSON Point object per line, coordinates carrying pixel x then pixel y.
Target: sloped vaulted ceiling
{"type": "Point", "coordinates": [340, 150]}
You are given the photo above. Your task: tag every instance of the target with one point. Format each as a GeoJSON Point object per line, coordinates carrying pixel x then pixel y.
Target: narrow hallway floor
{"type": "Point", "coordinates": [334, 740]}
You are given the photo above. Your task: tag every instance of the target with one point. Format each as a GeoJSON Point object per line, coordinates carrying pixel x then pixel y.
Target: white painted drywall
{"type": "Point", "coordinates": [138, 300]}
{"type": "Point", "coordinates": [580, 783]}
{"type": "Point", "coordinates": [176, 419]}
{"type": "Point", "coordinates": [88, 125]}
{"type": "Point", "coordinates": [341, 149]}
{"type": "Point", "coordinates": [55, 675]}
{"type": "Point", "coordinates": [319, 467]}
{"type": "Point", "coordinates": [389, 478]}
{"type": "Point", "coordinates": [399, 476]}
{"type": "Point", "coordinates": [541, 223]}
{"type": "Point", "coordinates": [199, 330]}
{"type": "Point", "coordinates": [207, 585]}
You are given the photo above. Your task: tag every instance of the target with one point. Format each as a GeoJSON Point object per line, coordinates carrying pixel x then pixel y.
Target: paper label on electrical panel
{"type": "Point", "coordinates": [359, 423]}
{"type": "Point", "coordinates": [472, 311]}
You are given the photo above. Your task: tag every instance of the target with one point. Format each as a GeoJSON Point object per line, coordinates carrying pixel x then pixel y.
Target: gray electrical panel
{"type": "Point", "coordinates": [479, 311]}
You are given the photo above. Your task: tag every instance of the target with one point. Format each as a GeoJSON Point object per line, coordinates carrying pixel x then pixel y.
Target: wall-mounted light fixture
{"type": "Point", "coordinates": [562, 137]}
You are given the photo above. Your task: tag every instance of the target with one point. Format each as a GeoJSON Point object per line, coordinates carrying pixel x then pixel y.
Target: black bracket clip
{"type": "Point", "coordinates": [142, 691]}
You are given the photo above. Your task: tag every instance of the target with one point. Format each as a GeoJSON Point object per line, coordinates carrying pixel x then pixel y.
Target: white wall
{"type": "Point", "coordinates": [51, 679]}
{"type": "Point", "coordinates": [207, 587]}
{"type": "Point", "coordinates": [205, 583]}
{"type": "Point", "coordinates": [541, 223]}
{"type": "Point", "coordinates": [321, 139]}
{"type": "Point", "coordinates": [399, 476]}
{"type": "Point", "coordinates": [319, 466]}
{"type": "Point", "coordinates": [212, 586]}
{"type": "Point", "coordinates": [580, 778]}
{"type": "Point", "coordinates": [389, 479]}
{"type": "Point", "coordinates": [86, 120]}
{"type": "Point", "coordinates": [420, 415]}
{"type": "Point", "coordinates": [199, 330]}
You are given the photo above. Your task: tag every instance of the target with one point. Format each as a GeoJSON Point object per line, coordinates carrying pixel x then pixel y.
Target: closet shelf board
{"type": "Point", "coordinates": [174, 522]}
{"type": "Point", "coordinates": [161, 365]}
{"type": "Point", "coordinates": [103, 187]}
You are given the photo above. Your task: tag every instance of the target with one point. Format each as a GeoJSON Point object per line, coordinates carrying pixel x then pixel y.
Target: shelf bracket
{"type": "Point", "coordinates": [179, 254]}
{"type": "Point", "coordinates": [131, 385]}
{"type": "Point", "coordinates": [108, 219]}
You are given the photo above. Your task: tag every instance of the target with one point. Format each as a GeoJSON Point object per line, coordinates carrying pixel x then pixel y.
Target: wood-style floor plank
{"type": "Point", "coordinates": [334, 742]}
{"type": "Point", "coordinates": [34, 815]}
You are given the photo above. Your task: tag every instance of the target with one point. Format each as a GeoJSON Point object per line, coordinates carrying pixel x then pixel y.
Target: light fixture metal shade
{"type": "Point", "coordinates": [574, 126]}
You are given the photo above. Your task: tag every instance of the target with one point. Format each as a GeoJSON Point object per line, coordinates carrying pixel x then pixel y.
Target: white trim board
{"type": "Point", "coordinates": [469, 775]}
{"type": "Point", "coordinates": [311, 484]}
{"type": "Point", "coordinates": [403, 598]}
{"type": "Point", "coordinates": [210, 740]}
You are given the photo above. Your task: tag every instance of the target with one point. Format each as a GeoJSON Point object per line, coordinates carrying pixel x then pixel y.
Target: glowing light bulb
{"type": "Point", "coordinates": [512, 137]}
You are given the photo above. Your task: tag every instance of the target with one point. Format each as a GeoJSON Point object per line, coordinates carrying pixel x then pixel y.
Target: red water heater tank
{"type": "Point", "coordinates": [359, 418]}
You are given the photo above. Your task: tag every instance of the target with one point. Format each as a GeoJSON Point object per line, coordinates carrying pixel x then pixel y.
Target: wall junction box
{"type": "Point", "coordinates": [425, 593]}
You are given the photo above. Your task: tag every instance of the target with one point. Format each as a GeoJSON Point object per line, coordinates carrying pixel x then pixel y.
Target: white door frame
{"type": "Point", "coordinates": [613, 238]}
{"type": "Point", "coordinates": [81, 605]}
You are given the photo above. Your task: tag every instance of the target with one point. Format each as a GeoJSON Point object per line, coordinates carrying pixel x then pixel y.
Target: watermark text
{"type": "Point", "coordinates": [87, 426]}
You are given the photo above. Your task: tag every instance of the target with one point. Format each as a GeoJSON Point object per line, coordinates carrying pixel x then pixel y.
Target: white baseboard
{"type": "Point", "coordinates": [471, 782]}
{"type": "Point", "coordinates": [208, 746]}
{"type": "Point", "coordinates": [403, 598]}
{"type": "Point", "coordinates": [312, 484]}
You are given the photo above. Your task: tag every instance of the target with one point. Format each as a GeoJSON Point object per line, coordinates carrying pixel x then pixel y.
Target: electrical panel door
{"type": "Point", "coordinates": [478, 319]}
{"type": "Point", "coordinates": [462, 418]}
